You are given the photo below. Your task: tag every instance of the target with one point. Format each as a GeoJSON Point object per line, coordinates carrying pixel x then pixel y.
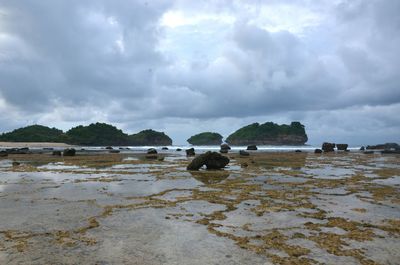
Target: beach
{"type": "Point", "coordinates": [267, 208]}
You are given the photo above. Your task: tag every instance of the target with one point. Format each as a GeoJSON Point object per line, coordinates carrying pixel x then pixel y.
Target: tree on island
{"type": "Point", "coordinates": [206, 138]}
{"type": "Point", "coordinates": [97, 134]}
{"type": "Point", "coordinates": [34, 133]}
{"type": "Point", "coordinates": [149, 137]}
{"type": "Point", "coordinates": [269, 133]}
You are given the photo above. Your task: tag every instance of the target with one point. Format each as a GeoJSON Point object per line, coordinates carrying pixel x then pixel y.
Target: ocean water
{"type": "Point", "coordinates": [198, 148]}
{"type": "Point", "coordinates": [201, 148]}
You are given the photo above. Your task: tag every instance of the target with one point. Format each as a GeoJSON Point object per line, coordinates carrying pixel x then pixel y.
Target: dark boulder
{"type": "Point", "coordinates": [69, 152]}
{"type": "Point", "coordinates": [3, 154]}
{"type": "Point", "coordinates": [56, 153]}
{"type": "Point", "coordinates": [362, 148]}
{"type": "Point", "coordinates": [317, 151]}
{"type": "Point", "coordinates": [178, 149]}
{"type": "Point", "coordinates": [151, 151]}
{"type": "Point", "coordinates": [297, 151]}
{"type": "Point", "coordinates": [225, 147]}
{"type": "Point", "coordinates": [216, 161]}
{"type": "Point", "coordinates": [190, 152]}
{"type": "Point", "coordinates": [342, 147]}
{"type": "Point", "coordinates": [109, 148]}
{"type": "Point", "coordinates": [244, 153]}
{"type": "Point", "coordinates": [164, 148]}
{"type": "Point", "coordinates": [328, 147]}
{"type": "Point", "coordinates": [252, 147]}
{"type": "Point", "coordinates": [212, 160]}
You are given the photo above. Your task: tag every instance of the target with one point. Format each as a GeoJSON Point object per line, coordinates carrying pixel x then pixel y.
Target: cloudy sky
{"type": "Point", "coordinates": [189, 66]}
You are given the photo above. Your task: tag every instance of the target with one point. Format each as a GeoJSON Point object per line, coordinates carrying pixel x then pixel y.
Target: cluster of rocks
{"type": "Point", "coordinates": [15, 151]}
{"type": "Point", "coordinates": [330, 147]}
{"type": "Point", "coordinates": [212, 160]}
{"type": "Point", "coordinates": [387, 148]}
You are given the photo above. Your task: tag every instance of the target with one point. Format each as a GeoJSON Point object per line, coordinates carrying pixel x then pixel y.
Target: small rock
{"type": "Point", "coordinates": [69, 152]}
{"type": "Point", "coordinates": [178, 149]}
{"type": "Point", "coordinates": [109, 148]}
{"type": "Point", "coordinates": [190, 152]}
{"type": "Point", "coordinates": [244, 153]}
{"type": "Point", "coordinates": [362, 148]}
{"type": "Point", "coordinates": [317, 151]}
{"type": "Point", "coordinates": [151, 151]}
{"type": "Point", "coordinates": [342, 147]}
{"type": "Point", "coordinates": [252, 147]}
{"type": "Point", "coordinates": [328, 147]}
{"type": "Point", "coordinates": [225, 147]}
{"type": "Point", "coordinates": [164, 148]}
{"type": "Point", "coordinates": [298, 151]}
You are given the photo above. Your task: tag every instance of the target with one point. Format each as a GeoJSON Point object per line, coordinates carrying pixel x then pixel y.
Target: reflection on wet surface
{"type": "Point", "coordinates": [282, 208]}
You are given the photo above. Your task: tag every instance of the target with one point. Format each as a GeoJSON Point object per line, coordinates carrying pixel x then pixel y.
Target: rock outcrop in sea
{"type": "Point", "coordinates": [269, 133]}
{"type": "Point", "coordinates": [206, 138]}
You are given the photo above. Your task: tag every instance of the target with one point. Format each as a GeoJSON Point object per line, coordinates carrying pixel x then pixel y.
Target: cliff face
{"type": "Point", "coordinates": [269, 133]}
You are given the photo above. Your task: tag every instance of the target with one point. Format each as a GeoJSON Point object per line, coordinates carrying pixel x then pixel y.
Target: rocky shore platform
{"type": "Point", "coordinates": [264, 208]}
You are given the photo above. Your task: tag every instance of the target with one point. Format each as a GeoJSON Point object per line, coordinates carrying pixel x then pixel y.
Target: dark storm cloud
{"type": "Point", "coordinates": [78, 51]}
{"type": "Point", "coordinates": [220, 64]}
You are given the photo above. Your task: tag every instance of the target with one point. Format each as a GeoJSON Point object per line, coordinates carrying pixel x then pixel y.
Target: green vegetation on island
{"type": "Point", "coordinates": [206, 138]}
{"type": "Point", "coordinates": [34, 133]}
{"type": "Point", "coordinates": [149, 137]}
{"type": "Point", "coordinates": [269, 133]}
{"type": "Point", "coordinates": [95, 134]}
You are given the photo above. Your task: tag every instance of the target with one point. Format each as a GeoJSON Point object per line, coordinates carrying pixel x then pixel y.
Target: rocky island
{"type": "Point", "coordinates": [149, 137]}
{"type": "Point", "coordinates": [206, 138]}
{"type": "Point", "coordinates": [269, 133]}
{"type": "Point", "coordinates": [95, 134]}
{"type": "Point", "coordinates": [34, 133]}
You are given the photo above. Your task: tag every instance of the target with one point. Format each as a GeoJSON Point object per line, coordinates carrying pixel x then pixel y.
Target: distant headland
{"type": "Point", "coordinates": [102, 134]}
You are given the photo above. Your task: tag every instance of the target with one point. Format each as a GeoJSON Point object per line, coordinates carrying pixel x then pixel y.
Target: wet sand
{"type": "Point", "coordinates": [269, 208]}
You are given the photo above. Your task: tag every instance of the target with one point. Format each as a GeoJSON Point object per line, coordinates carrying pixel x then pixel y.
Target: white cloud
{"type": "Point", "coordinates": [185, 66]}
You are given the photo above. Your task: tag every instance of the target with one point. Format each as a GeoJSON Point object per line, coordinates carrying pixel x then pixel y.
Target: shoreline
{"type": "Point", "coordinates": [32, 144]}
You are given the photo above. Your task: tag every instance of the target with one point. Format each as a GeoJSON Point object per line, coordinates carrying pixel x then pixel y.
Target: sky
{"type": "Point", "coordinates": [184, 67]}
